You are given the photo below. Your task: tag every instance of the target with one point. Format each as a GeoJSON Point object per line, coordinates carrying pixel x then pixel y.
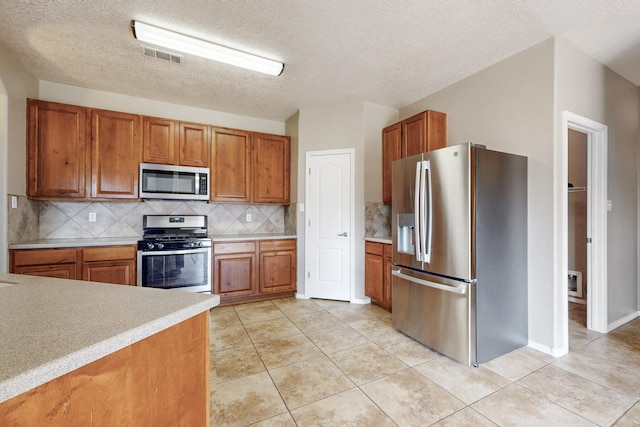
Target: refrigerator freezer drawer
{"type": "Point", "coordinates": [441, 317]}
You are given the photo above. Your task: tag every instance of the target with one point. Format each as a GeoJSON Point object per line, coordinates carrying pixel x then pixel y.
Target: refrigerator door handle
{"type": "Point", "coordinates": [427, 216]}
{"type": "Point", "coordinates": [461, 290]}
{"type": "Point", "coordinates": [416, 212]}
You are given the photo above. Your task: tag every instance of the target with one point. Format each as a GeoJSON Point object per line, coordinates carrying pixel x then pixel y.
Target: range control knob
{"type": "Point", "coordinates": [150, 245]}
{"type": "Point", "coordinates": [160, 245]}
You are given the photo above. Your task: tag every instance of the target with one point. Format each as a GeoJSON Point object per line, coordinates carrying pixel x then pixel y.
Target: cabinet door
{"type": "Point", "coordinates": [391, 150]}
{"type": "Point", "coordinates": [277, 266]}
{"type": "Point", "coordinates": [59, 263]}
{"type": "Point", "coordinates": [115, 151]}
{"type": "Point", "coordinates": [424, 132]}
{"type": "Point", "coordinates": [57, 157]}
{"type": "Point", "coordinates": [436, 130]}
{"type": "Point", "coordinates": [373, 271]}
{"type": "Point", "coordinates": [59, 271]}
{"type": "Point", "coordinates": [159, 141]}
{"type": "Point", "coordinates": [194, 145]}
{"type": "Point", "coordinates": [234, 274]}
{"type": "Point", "coordinates": [414, 135]}
{"type": "Point", "coordinates": [117, 272]}
{"type": "Point", "coordinates": [387, 279]}
{"type": "Point", "coordinates": [110, 264]}
{"type": "Point", "coordinates": [230, 165]}
{"type": "Point", "coordinates": [271, 169]}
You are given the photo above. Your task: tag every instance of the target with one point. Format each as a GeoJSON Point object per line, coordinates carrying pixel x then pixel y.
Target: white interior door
{"type": "Point", "coordinates": [329, 224]}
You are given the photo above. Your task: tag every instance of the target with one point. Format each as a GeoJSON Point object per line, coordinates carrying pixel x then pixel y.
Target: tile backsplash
{"type": "Point", "coordinates": [22, 222]}
{"type": "Point", "coordinates": [377, 219]}
{"type": "Point", "coordinates": [55, 219]}
{"type": "Point", "coordinates": [34, 220]}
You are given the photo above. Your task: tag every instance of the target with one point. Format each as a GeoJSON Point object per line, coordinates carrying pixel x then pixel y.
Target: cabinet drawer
{"type": "Point", "coordinates": [388, 250]}
{"type": "Point", "coordinates": [234, 247]}
{"type": "Point", "coordinates": [277, 245]}
{"type": "Point", "coordinates": [373, 248]}
{"type": "Point", "coordinates": [43, 256]}
{"type": "Point", "coordinates": [108, 253]}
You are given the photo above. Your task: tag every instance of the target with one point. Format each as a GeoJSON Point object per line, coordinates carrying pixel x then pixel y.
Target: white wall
{"type": "Point", "coordinates": [56, 92]}
{"type": "Point", "coordinates": [16, 84]}
{"type": "Point", "coordinates": [588, 88]}
{"type": "Point", "coordinates": [509, 107]}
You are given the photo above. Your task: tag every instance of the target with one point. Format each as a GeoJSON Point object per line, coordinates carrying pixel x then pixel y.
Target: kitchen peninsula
{"type": "Point", "coordinates": [88, 353]}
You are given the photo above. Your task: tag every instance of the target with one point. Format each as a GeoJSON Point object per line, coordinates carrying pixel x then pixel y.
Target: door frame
{"type": "Point", "coordinates": [597, 218]}
{"type": "Point", "coordinates": [4, 141]}
{"type": "Point", "coordinates": [352, 199]}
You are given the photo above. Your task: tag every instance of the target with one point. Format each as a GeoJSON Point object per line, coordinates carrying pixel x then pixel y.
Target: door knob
{"type": "Point", "coordinates": [343, 234]}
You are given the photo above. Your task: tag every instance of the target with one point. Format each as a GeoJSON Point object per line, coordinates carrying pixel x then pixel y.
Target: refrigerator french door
{"type": "Point", "coordinates": [459, 251]}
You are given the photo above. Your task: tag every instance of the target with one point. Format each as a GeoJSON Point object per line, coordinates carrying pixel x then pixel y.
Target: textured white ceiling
{"type": "Point", "coordinates": [389, 52]}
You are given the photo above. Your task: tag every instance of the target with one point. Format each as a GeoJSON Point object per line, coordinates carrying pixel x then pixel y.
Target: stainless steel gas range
{"type": "Point", "coordinates": [175, 253]}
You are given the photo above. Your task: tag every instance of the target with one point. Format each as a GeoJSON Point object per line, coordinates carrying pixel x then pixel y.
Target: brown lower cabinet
{"type": "Point", "coordinates": [107, 264]}
{"type": "Point", "coordinates": [246, 271]}
{"type": "Point", "coordinates": [377, 273]}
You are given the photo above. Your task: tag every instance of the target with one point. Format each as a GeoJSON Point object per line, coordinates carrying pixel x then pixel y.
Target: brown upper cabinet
{"type": "Point", "coordinates": [271, 166]}
{"type": "Point", "coordinates": [115, 155]}
{"type": "Point", "coordinates": [249, 167]}
{"type": "Point", "coordinates": [172, 142]}
{"type": "Point", "coordinates": [81, 153]}
{"type": "Point", "coordinates": [230, 165]}
{"type": "Point", "coordinates": [417, 134]}
{"type": "Point", "coordinates": [57, 153]}
{"type": "Point", "coordinates": [159, 141]}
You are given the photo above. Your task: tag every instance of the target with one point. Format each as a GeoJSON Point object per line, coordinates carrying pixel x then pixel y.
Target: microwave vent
{"type": "Point", "coordinates": [150, 52]}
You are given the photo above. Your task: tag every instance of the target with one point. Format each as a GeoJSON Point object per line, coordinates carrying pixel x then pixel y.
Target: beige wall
{"type": "Point", "coordinates": [587, 88]}
{"type": "Point", "coordinates": [19, 84]}
{"type": "Point", "coordinates": [509, 107]}
{"type": "Point", "coordinates": [16, 84]}
{"type": "Point", "coordinates": [113, 101]}
{"type": "Point", "coordinates": [516, 106]}
{"type": "Point", "coordinates": [354, 125]}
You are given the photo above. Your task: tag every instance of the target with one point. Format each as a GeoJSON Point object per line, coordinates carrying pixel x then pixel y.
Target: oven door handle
{"type": "Point", "coordinates": [175, 252]}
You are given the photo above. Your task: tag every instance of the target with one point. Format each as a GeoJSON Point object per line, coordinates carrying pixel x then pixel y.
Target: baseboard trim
{"type": "Point", "coordinates": [626, 319]}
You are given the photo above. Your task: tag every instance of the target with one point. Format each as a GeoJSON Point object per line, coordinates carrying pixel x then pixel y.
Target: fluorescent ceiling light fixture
{"type": "Point", "coordinates": [194, 46]}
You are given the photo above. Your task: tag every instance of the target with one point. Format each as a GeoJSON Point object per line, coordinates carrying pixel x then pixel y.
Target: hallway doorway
{"type": "Point", "coordinates": [594, 190]}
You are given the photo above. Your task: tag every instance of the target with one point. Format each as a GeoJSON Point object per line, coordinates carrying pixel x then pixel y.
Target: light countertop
{"type": "Point", "coordinates": [50, 327]}
{"type": "Point", "coordinates": [117, 241]}
{"type": "Point", "coordinates": [379, 239]}
{"type": "Point", "coordinates": [73, 243]}
{"type": "Point", "coordinates": [241, 237]}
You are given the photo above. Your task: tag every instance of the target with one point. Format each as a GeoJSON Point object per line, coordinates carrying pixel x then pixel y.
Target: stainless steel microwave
{"type": "Point", "coordinates": [170, 182]}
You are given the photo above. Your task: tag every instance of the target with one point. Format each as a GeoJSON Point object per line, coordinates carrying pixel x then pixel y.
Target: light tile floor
{"type": "Point", "coordinates": [292, 362]}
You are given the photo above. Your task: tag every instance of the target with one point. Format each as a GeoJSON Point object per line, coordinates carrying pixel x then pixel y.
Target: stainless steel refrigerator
{"type": "Point", "coordinates": [459, 225]}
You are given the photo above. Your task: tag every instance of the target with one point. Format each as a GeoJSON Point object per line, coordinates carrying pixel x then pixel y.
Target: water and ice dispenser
{"type": "Point", "coordinates": [406, 225]}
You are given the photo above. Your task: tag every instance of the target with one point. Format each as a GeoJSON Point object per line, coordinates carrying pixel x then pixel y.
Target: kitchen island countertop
{"type": "Point", "coordinates": [50, 327]}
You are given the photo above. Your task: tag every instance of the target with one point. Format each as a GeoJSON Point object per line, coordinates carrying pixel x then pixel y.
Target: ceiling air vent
{"type": "Point", "coordinates": [150, 52]}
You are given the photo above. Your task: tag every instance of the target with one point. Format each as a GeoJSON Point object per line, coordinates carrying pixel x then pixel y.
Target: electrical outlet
{"type": "Point", "coordinates": [14, 202]}
{"type": "Point", "coordinates": [92, 217]}
{"type": "Point", "coordinates": [248, 217]}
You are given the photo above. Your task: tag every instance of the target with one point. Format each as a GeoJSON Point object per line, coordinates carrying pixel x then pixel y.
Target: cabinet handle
{"type": "Point", "coordinates": [343, 234]}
